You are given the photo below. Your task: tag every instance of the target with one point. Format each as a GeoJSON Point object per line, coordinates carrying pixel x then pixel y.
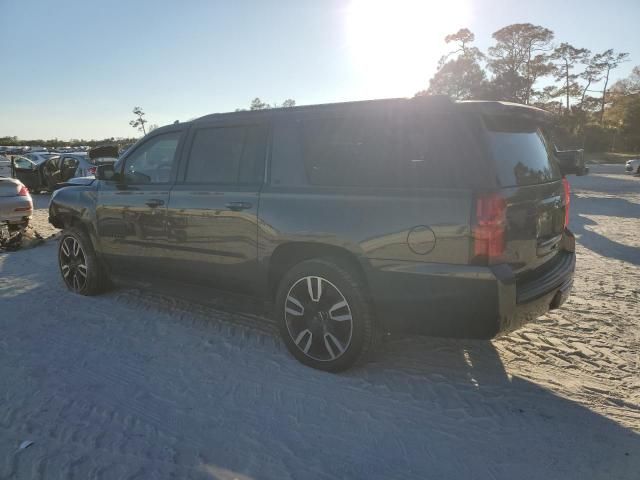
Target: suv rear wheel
{"type": "Point", "coordinates": [324, 316]}
{"type": "Point", "coordinates": [80, 267]}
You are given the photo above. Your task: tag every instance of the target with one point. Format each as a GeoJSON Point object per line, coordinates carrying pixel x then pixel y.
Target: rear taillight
{"type": "Point", "coordinates": [24, 191]}
{"type": "Point", "coordinates": [567, 200]}
{"type": "Point", "coordinates": [489, 227]}
{"type": "Point", "coordinates": [92, 170]}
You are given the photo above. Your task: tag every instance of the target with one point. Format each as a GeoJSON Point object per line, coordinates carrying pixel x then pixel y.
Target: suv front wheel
{"type": "Point", "coordinates": [80, 267]}
{"type": "Point", "coordinates": [324, 315]}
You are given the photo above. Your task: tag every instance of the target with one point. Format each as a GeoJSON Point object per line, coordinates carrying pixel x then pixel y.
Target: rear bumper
{"type": "Point", "coordinates": [16, 209]}
{"type": "Point", "coordinates": [466, 301]}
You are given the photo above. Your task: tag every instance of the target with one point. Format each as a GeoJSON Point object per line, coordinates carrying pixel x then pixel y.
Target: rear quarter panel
{"type": "Point", "coordinates": [372, 225]}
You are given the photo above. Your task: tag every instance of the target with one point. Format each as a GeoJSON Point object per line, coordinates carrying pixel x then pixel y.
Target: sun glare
{"type": "Point", "coordinates": [396, 44]}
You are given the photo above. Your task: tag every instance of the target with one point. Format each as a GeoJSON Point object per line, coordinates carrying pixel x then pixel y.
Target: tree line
{"type": "Point", "coordinates": [525, 65]}
{"type": "Point", "coordinates": [139, 123]}
{"type": "Point", "coordinates": [13, 141]}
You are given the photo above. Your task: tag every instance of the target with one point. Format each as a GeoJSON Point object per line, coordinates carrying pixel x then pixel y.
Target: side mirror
{"type": "Point", "coordinates": [106, 172]}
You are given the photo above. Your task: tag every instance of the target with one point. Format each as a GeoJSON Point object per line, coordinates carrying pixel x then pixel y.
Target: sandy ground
{"type": "Point", "coordinates": [134, 384]}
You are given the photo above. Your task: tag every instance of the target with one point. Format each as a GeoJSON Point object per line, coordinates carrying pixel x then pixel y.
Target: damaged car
{"type": "Point", "coordinates": [16, 207]}
{"type": "Point", "coordinates": [58, 170]}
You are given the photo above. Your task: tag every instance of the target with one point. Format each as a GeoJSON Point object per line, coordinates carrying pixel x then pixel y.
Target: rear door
{"type": "Point", "coordinates": [51, 172]}
{"type": "Point", "coordinates": [213, 208]}
{"type": "Point", "coordinates": [531, 183]}
{"type": "Point", "coordinates": [68, 168]}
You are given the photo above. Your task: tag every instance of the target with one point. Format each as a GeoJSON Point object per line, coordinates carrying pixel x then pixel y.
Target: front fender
{"type": "Point", "coordinates": [72, 205]}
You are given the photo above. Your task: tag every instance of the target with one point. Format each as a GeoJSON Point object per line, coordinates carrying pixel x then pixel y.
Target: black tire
{"type": "Point", "coordinates": [96, 279]}
{"type": "Point", "coordinates": [341, 285]}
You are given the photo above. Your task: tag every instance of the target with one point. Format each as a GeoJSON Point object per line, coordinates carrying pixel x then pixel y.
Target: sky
{"type": "Point", "coordinates": [76, 68]}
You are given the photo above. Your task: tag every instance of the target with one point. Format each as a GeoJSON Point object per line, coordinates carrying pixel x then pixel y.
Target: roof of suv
{"type": "Point", "coordinates": [439, 102]}
{"type": "Point", "coordinates": [436, 102]}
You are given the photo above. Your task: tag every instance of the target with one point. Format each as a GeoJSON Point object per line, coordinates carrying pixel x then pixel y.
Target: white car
{"type": "Point", "coordinates": [633, 166]}
{"type": "Point", "coordinates": [16, 207]}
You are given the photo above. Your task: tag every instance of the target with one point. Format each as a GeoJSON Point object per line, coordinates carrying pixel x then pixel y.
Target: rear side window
{"type": "Point", "coordinates": [391, 150]}
{"type": "Point", "coordinates": [227, 155]}
{"type": "Point", "coordinates": [521, 153]}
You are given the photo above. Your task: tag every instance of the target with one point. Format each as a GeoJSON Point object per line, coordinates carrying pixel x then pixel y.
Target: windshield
{"type": "Point", "coordinates": [521, 153]}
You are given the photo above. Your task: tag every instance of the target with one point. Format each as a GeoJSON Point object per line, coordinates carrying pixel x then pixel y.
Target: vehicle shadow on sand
{"type": "Point", "coordinates": [224, 399]}
{"type": "Point", "coordinates": [520, 429]}
{"type": "Point", "coordinates": [597, 242]}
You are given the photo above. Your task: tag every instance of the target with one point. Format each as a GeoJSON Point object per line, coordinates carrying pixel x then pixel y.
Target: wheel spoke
{"type": "Point", "coordinates": [318, 290]}
{"type": "Point", "coordinates": [310, 318]}
{"type": "Point", "coordinates": [82, 270]}
{"type": "Point", "coordinates": [76, 282]}
{"type": "Point", "coordinates": [301, 336]}
{"type": "Point", "coordinates": [329, 338]}
{"type": "Point", "coordinates": [65, 248]}
{"type": "Point", "coordinates": [76, 248]}
{"type": "Point", "coordinates": [65, 271]}
{"type": "Point", "coordinates": [299, 311]}
{"type": "Point", "coordinates": [335, 308]}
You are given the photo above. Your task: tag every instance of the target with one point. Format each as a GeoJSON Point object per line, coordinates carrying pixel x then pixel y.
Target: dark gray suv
{"type": "Point", "coordinates": [354, 219]}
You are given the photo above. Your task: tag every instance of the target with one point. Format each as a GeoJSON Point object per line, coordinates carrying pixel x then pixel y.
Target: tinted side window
{"type": "Point", "coordinates": [227, 155]}
{"type": "Point", "coordinates": [153, 161]}
{"type": "Point", "coordinates": [287, 166]}
{"type": "Point", "coordinates": [399, 151]}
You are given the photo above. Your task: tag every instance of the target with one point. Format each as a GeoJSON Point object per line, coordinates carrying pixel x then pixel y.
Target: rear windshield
{"type": "Point", "coordinates": [521, 153]}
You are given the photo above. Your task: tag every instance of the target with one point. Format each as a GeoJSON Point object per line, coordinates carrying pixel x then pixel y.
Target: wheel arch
{"type": "Point", "coordinates": [286, 255]}
{"type": "Point", "coordinates": [67, 221]}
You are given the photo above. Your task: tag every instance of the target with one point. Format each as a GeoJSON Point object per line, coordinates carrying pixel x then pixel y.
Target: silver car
{"type": "Point", "coordinates": [85, 165]}
{"type": "Point", "coordinates": [633, 166]}
{"type": "Point", "coordinates": [16, 207]}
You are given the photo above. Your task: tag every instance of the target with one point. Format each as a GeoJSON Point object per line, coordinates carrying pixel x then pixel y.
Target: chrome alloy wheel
{"type": "Point", "coordinates": [73, 264]}
{"type": "Point", "coordinates": [318, 318]}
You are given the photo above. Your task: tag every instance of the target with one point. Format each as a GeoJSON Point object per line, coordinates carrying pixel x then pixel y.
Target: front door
{"type": "Point", "coordinates": [213, 208]}
{"type": "Point", "coordinates": [132, 209]}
